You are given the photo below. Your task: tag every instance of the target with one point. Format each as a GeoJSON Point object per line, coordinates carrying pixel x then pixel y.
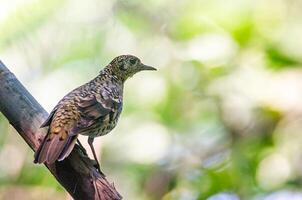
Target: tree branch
{"type": "Point", "coordinates": [76, 173]}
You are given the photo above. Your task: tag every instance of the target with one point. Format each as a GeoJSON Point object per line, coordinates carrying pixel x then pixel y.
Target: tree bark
{"type": "Point", "coordinates": [76, 173]}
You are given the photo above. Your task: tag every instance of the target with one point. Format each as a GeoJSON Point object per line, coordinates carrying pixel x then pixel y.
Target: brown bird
{"type": "Point", "coordinates": [92, 109]}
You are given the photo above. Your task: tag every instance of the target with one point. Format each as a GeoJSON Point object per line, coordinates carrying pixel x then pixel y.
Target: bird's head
{"type": "Point", "coordinates": [125, 66]}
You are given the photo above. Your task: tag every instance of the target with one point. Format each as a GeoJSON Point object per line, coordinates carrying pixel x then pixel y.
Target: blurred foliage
{"type": "Point", "coordinates": [279, 60]}
{"type": "Point", "coordinates": [220, 119]}
{"type": "Point", "coordinates": [14, 28]}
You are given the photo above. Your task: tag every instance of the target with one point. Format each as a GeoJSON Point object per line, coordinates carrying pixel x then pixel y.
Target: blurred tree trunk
{"type": "Point", "coordinates": [76, 173]}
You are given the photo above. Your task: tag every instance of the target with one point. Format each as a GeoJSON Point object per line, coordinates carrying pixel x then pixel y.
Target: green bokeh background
{"type": "Point", "coordinates": [221, 119]}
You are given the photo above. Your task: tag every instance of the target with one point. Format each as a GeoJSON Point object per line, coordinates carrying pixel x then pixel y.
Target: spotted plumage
{"type": "Point", "coordinates": [92, 109]}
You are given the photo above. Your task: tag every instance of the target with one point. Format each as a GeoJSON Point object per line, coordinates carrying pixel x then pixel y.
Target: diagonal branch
{"type": "Point", "coordinates": [76, 173]}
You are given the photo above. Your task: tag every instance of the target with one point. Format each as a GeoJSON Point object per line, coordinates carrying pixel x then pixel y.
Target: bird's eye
{"type": "Point", "coordinates": [133, 61]}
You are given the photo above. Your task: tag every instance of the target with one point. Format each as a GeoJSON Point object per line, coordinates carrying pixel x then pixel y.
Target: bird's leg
{"type": "Point", "coordinates": [90, 142]}
{"type": "Point", "coordinates": [81, 147]}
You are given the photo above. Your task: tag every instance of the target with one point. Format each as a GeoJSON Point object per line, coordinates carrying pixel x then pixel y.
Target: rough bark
{"type": "Point", "coordinates": [76, 173]}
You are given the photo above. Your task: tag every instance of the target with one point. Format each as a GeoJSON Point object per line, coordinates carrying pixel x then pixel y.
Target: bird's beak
{"type": "Point", "coordinates": [146, 67]}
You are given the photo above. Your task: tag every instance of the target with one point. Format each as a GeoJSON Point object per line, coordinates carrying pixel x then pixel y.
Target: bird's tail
{"type": "Point", "coordinates": [54, 147]}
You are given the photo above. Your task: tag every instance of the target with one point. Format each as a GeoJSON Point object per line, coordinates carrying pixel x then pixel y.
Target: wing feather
{"type": "Point", "coordinates": [70, 118]}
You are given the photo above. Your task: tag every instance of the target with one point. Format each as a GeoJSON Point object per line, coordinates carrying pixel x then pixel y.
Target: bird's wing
{"type": "Point", "coordinates": [93, 107]}
{"type": "Point", "coordinates": [98, 105]}
{"type": "Point", "coordinates": [96, 108]}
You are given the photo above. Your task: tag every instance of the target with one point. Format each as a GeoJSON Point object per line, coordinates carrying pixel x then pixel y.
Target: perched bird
{"type": "Point", "coordinates": [92, 109]}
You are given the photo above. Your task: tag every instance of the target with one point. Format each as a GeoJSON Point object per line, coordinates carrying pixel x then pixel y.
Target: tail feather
{"type": "Point", "coordinates": [54, 148]}
{"type": "Point", "coordinates": [61, 136]}
{"type": "Point", "coordinates": [68, 148]}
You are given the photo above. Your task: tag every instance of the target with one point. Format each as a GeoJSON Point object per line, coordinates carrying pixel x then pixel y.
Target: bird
{"type": "Point", "coordinates": [92, 109]}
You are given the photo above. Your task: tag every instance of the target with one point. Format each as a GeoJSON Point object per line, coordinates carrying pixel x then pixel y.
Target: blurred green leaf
{"type": "Point", "coordinates": [277, 59]}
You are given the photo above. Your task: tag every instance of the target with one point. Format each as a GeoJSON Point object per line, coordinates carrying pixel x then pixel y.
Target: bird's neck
{"type": "Point", "coordinates": [107, 74]}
